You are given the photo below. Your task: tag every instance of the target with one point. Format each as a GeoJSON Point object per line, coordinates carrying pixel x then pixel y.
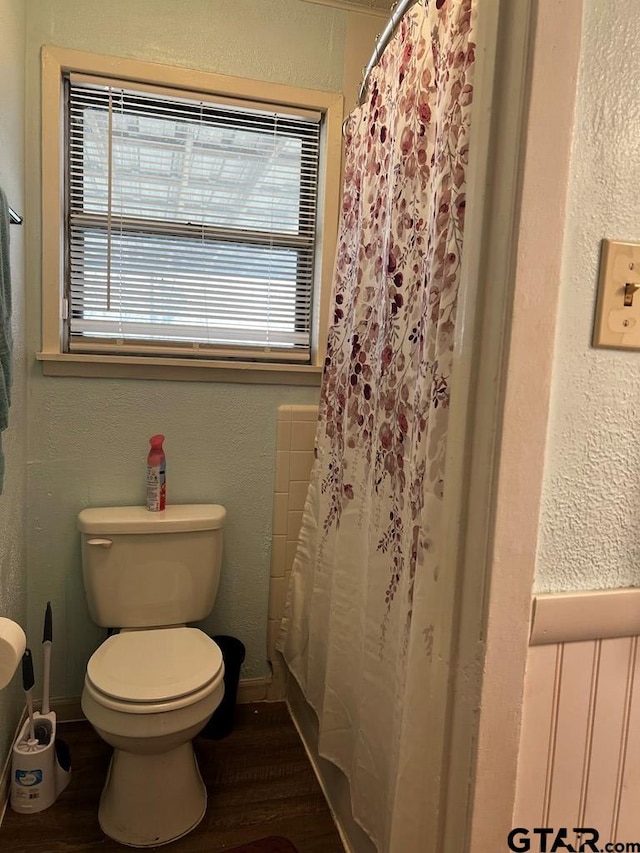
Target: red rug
{"type": "Point", "coordinates": [267, 845]}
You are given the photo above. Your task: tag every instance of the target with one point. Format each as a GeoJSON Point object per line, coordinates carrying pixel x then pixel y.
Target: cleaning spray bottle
{"type": "Point", "coordinates": [156, 475]}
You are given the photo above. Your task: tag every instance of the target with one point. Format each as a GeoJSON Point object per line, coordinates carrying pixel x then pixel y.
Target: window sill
{"type": "Point", "coordinates": [181, 369]}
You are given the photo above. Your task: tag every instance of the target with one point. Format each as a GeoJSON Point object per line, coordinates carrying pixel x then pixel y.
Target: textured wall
{"type": "Point", "coordinates": [13, 580]}
{"type": "Point", "coordinates": [590, 519]}
{"type": "Point", "coordinates": [283, 41]}
{"type": "Point", "coordinates": [89, 439]}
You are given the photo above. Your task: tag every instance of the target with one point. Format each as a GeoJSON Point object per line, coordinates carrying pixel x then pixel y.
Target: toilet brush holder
{"type": "Point", "coordinates": [40, 767]}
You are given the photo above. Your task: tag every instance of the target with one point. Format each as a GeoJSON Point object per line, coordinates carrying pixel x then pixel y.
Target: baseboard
{"type": "Point", "coordinates": [66, 710]}
{"type": "Point", "coordinates": [252, 690]}
{"type": "Point", "coordinates": [5, 776]}
{"type": "Point", "coordinates": [333, 782]}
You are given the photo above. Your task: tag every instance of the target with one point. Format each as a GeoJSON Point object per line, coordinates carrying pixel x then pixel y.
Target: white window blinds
{"type": "Point", "coordinates": [191, 223]}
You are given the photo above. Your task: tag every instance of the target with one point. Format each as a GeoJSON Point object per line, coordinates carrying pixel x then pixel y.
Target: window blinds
{"type": "Point", "coordinates": [191, 223]}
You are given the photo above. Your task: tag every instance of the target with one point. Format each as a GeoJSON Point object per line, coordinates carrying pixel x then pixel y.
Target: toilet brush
{"type": "Point", "coordinates": [38, 733]}
{"type": "Point", "coordinates": [41, 766]}
{"type": "Point", "coordinates": [27, 683]}
{"type": "Point", "coordinates": [47, 640]}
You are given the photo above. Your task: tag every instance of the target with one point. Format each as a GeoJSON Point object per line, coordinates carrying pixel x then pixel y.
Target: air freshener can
{"type": "Point", "coordinates": [156, 475]}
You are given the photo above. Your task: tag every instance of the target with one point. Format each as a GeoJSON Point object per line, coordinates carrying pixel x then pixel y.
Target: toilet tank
{"type": "Point", "coordinates": [146, 569]}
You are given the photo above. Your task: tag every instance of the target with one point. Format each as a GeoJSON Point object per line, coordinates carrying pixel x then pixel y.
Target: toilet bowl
{"type": "Point", "coordinates": [148, 693]}
{"type": "Point", "coordinates": [150, 688]}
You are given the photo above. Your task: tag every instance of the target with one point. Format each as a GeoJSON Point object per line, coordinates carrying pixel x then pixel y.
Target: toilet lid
{"type": "Point", "coordinates": [155, 665]}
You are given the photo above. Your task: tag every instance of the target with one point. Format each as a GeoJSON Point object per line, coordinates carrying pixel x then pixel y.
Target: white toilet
{"type": "Point", "coordinates": [152, 687]}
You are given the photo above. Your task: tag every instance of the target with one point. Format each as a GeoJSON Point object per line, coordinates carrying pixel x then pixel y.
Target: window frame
{"type": "Point", "coordinates": [57, 61]}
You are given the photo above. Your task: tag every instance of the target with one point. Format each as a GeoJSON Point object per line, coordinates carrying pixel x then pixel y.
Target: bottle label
{"type": "Point", "coordinates": [156, 488]}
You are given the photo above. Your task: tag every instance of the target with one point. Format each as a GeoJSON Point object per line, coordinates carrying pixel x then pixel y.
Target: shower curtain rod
{"type": "Point", "coordinates": [382, 41]}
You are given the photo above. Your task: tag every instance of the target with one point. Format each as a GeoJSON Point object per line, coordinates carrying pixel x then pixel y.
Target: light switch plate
{"type": "Point", "coordinates": [616, 324]}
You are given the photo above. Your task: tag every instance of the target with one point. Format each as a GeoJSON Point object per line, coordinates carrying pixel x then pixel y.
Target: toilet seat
{"type": "Point", "coordinates": [154, 670]}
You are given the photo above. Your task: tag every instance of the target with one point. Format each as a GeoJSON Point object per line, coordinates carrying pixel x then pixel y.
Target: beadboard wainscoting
{"type": "Point", "coordinates": [295, 438]}
{"type": "Point", "coordinates": [580, 739]}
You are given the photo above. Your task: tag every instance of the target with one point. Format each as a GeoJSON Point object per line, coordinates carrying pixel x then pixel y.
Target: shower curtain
{"type": "Point", "coordinates": [359, 627]}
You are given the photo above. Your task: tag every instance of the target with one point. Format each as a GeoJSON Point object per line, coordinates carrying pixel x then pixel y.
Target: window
{"type": "Point", "coordinates": [189, 222]}
{"type": "Point", "coordinates": [195, 222]}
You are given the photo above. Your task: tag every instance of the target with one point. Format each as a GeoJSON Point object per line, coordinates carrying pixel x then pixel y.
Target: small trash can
{"type": "Point", "coordinates": [221, 723]}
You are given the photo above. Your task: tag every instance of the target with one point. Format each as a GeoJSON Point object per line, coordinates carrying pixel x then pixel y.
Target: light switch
{"type": "Point", "coordinates": [618, 310]}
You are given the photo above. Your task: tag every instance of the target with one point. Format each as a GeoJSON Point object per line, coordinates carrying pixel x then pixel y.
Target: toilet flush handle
{"type": "Point", "coordinates": [101, 543]}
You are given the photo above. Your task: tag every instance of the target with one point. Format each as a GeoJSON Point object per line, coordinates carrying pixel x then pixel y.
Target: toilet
{"type": "Point", "coordinates": [151, 687]}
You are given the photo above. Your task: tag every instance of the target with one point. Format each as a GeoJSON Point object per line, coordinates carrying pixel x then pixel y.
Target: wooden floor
{"type": "Point", "coordinates": [259, 780]}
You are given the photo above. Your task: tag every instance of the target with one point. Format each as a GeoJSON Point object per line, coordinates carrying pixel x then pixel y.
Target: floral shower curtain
{"type": "Point", "coordinates": [358, 631]}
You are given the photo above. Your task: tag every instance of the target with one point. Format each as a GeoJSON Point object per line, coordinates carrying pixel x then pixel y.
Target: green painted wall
{"type": "Point", "coordinates": [88, 439]}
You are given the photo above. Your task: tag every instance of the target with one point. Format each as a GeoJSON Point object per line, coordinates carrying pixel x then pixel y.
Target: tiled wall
{"type": "Point", "coordinates": [294, 458]}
